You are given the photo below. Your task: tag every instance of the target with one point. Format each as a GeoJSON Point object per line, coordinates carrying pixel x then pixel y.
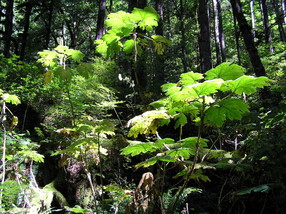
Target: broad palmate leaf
{"type": "Point", "coordinates": [225, 71]}
{"type": "Point", "coordinates": [231, 108]}
{"type": "Point", "coordinates": [245, 84]}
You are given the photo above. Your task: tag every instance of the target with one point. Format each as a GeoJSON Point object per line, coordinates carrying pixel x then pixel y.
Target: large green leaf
{"type": "Point", "coordinates": [138, 149]}
{"type": "Point", "coordinates": [231, 108]}
{"type": "Point", "coordinates": [245, 84]}
{"type": "Point", "coordinates": [261, 188]}
{"type": "Point", "coordinates": [154, 160]}
{"type": "Point", "coordinates": [225, 71]}
{"type": "Point", "coordinates": [148, 17]}
{"type": "Point", "coordinates": [119, 20]}
{"type": "Point", "coordinates": [190, 78]}
{"type": "Point", "coordinates": [147, 123]}
{"type": "Point", "coordinates": [191, 142]}
{"type": "Point", "coordinates": [181, 152]}
{"type": "Point", "coordinates": [129, 46]}
{"type": "Point", "coordinates": [208, 87]}
{"type": "Point", "coordinates": [10, 98]}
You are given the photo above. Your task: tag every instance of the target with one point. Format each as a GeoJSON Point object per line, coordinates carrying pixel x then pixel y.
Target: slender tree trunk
{"type": "Point", "coordinates": [204, 36]}
{"type": "Point", "coordinates": [221, 32]}
{"type": "Point", "coordinates": [183, 40]}
{"type": "Point", "coordinates": [217, 33]}
{"type": "Point", "coordinates": [100, 19]}
{"type": "Point", "coordinates": [253, 18]}
{"type": "Point", "coordinates": [131, 5]}
{"type": "Point", "coordinates": [159, 61]}
{"type": "Point", "coordinates": [29, 7]}
{"type": "Point", "coordinates": [284, 10]}
{"type": "Point", "coordinates": [141, 3]}
{"type": "Point", "coordinates": [237, 33]}
{"type": "Point", "coordinates": [160, 11]}
{"type": "Point", "coordinates": [8, 27]}
{"type": "Point", "coordinates": [267, 32]}
{"type": "Point", "coordinates": [245, 29]}
{"type": "Point", "coordinates": [49, 23]}
{"type": "Point", "coordinates": [279, 20]}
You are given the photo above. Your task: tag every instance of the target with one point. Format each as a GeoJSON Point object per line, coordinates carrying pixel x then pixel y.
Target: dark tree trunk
{"type": "Point", "coordinates": [131, 5]}
{"type": "Point", "coordinates": [204, 36]}
{"type": "Point", "coordinates": [100, 19]}
{"type": "Point", "coordinates": [141, 3]}
{"type": "Point", "coordinates": [217, 33]}
{"type": "Point", "coordinates": [159, 9]}
{"type": "Point", "coordinates": [267, 33]}
{"type": "Point", "coordinates": [221, 32]}
{"type": "Point", "coordinates": [29, 6]}
{"type": "Point", "coordinates": [279, 20]}
{"type": "Point", "coordinates": [183, 33]}
{"type": "Point", "coordinates": [237, 33]}
{"type": "Point", "coordinates": [245, 29]}
{"type": "Point", "coordinates": [253, 19]}
{"type": "Point", "coordinates": [49, 23]}
{"type": "Point", "coordinates": [159, 61]}
{"type": "Point", "coordinates": [8, 27]}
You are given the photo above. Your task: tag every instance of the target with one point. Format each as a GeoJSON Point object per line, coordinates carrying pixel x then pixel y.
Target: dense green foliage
{"type": "Point", "coordinates": [129, 123]}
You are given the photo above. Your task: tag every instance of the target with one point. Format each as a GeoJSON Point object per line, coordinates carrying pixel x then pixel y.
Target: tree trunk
{"type": "Point", "coordinates": [204, 36]}
{"type": "Point", "coordinates": [159, 60]}
{"type": "Point", "coordinates": [183, 33]}
{"type": "Point", "coordinates": [49, 23]}
{"type": "Point", "coordinates": [217, 33]}
{"type": "Point", "coordinates": [237, 33]}
{"type": "Point", "coordinates": [100, 19]}
{"type": "Point", "coordinates": [160, 11]}
{"type": "Point", "coordinates": [267, 33]}
{"type": "Point", "coordinates": [29, 7]}
{"type": "Point", "coordinates": [253, 18]}
{"type": "Point", "coordinates": [221, 32]}
{"type": "Point", "coordinates": [8, 27]}
{"type": "Point", "coordinates": [279, 20]}
{"type": "Point", "coordinates": [131, 5]}
{"type": "Point", "coordinates": [245, 29]}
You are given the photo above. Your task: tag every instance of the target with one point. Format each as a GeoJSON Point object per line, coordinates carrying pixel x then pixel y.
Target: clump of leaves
{"type": "Point", "coordinates": [205, 100]}
{"type": "Point", "coordinates": [123, 35]}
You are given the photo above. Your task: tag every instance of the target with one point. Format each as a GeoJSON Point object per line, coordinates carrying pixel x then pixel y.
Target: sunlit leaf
{"type": "Point", "coordinates": [48, 76]}
{"type": "Point", "coordinates": [147, 123]}
{"type": "Point", "coordinates": [154, 160]}
{"type": "Point", "coordinates": [231, 108]}
{"type": "Point", "coordinates": [190, 78]}
{"type": "Point", "coordinates": [10, 98]}
{"type": "Point", "coordinates": [208, 87]}
{"type": "Point", "coordinates": [129, 46]}
{"type": "Point", "coordinates": [138, 149]}
{"type": "Point", "coordinates": [181, 152]}
{"type": "Point", "coordinates": [245, 84]}
{"type": "Point", "coordinates": [225, 71]}
{"type": "Point", "coordinates": [148, 17]}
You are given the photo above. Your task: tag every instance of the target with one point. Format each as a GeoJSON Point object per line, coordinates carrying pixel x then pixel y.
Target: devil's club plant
{"type": "Point", "coordinates": [206, 100]}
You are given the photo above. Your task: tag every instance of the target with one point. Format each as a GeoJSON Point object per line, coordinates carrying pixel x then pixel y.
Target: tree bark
{"type": "Point", "coordinates": [160, 11]}
{"type": "Point", "coordinates": [8, 27]}
{"type": "Point", "coordinates": [253, 18]}
{"type": "Point", "coordinates": [29, 6]}
{"type": "Point", "coordinates": [267, 32]}
{"type": "Point", "coordinates": [49, 24]}
{"type": "Point", "coordinates": [100, 19]}
{"type": "Point", "coordinates": [204, 36]}
{"type": "Point", "coordinates": [183, 40]}
{"type": "Point", "coordinates": [217, 33]}
{"type": "Point", "coordinates": [237, 33]}
{"type": "Point", "coordinates": [245, 29]}
{"type": "Point", "coordinates": [159, 61]}
{"type": "Point", "coordinates": [279, 20]}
